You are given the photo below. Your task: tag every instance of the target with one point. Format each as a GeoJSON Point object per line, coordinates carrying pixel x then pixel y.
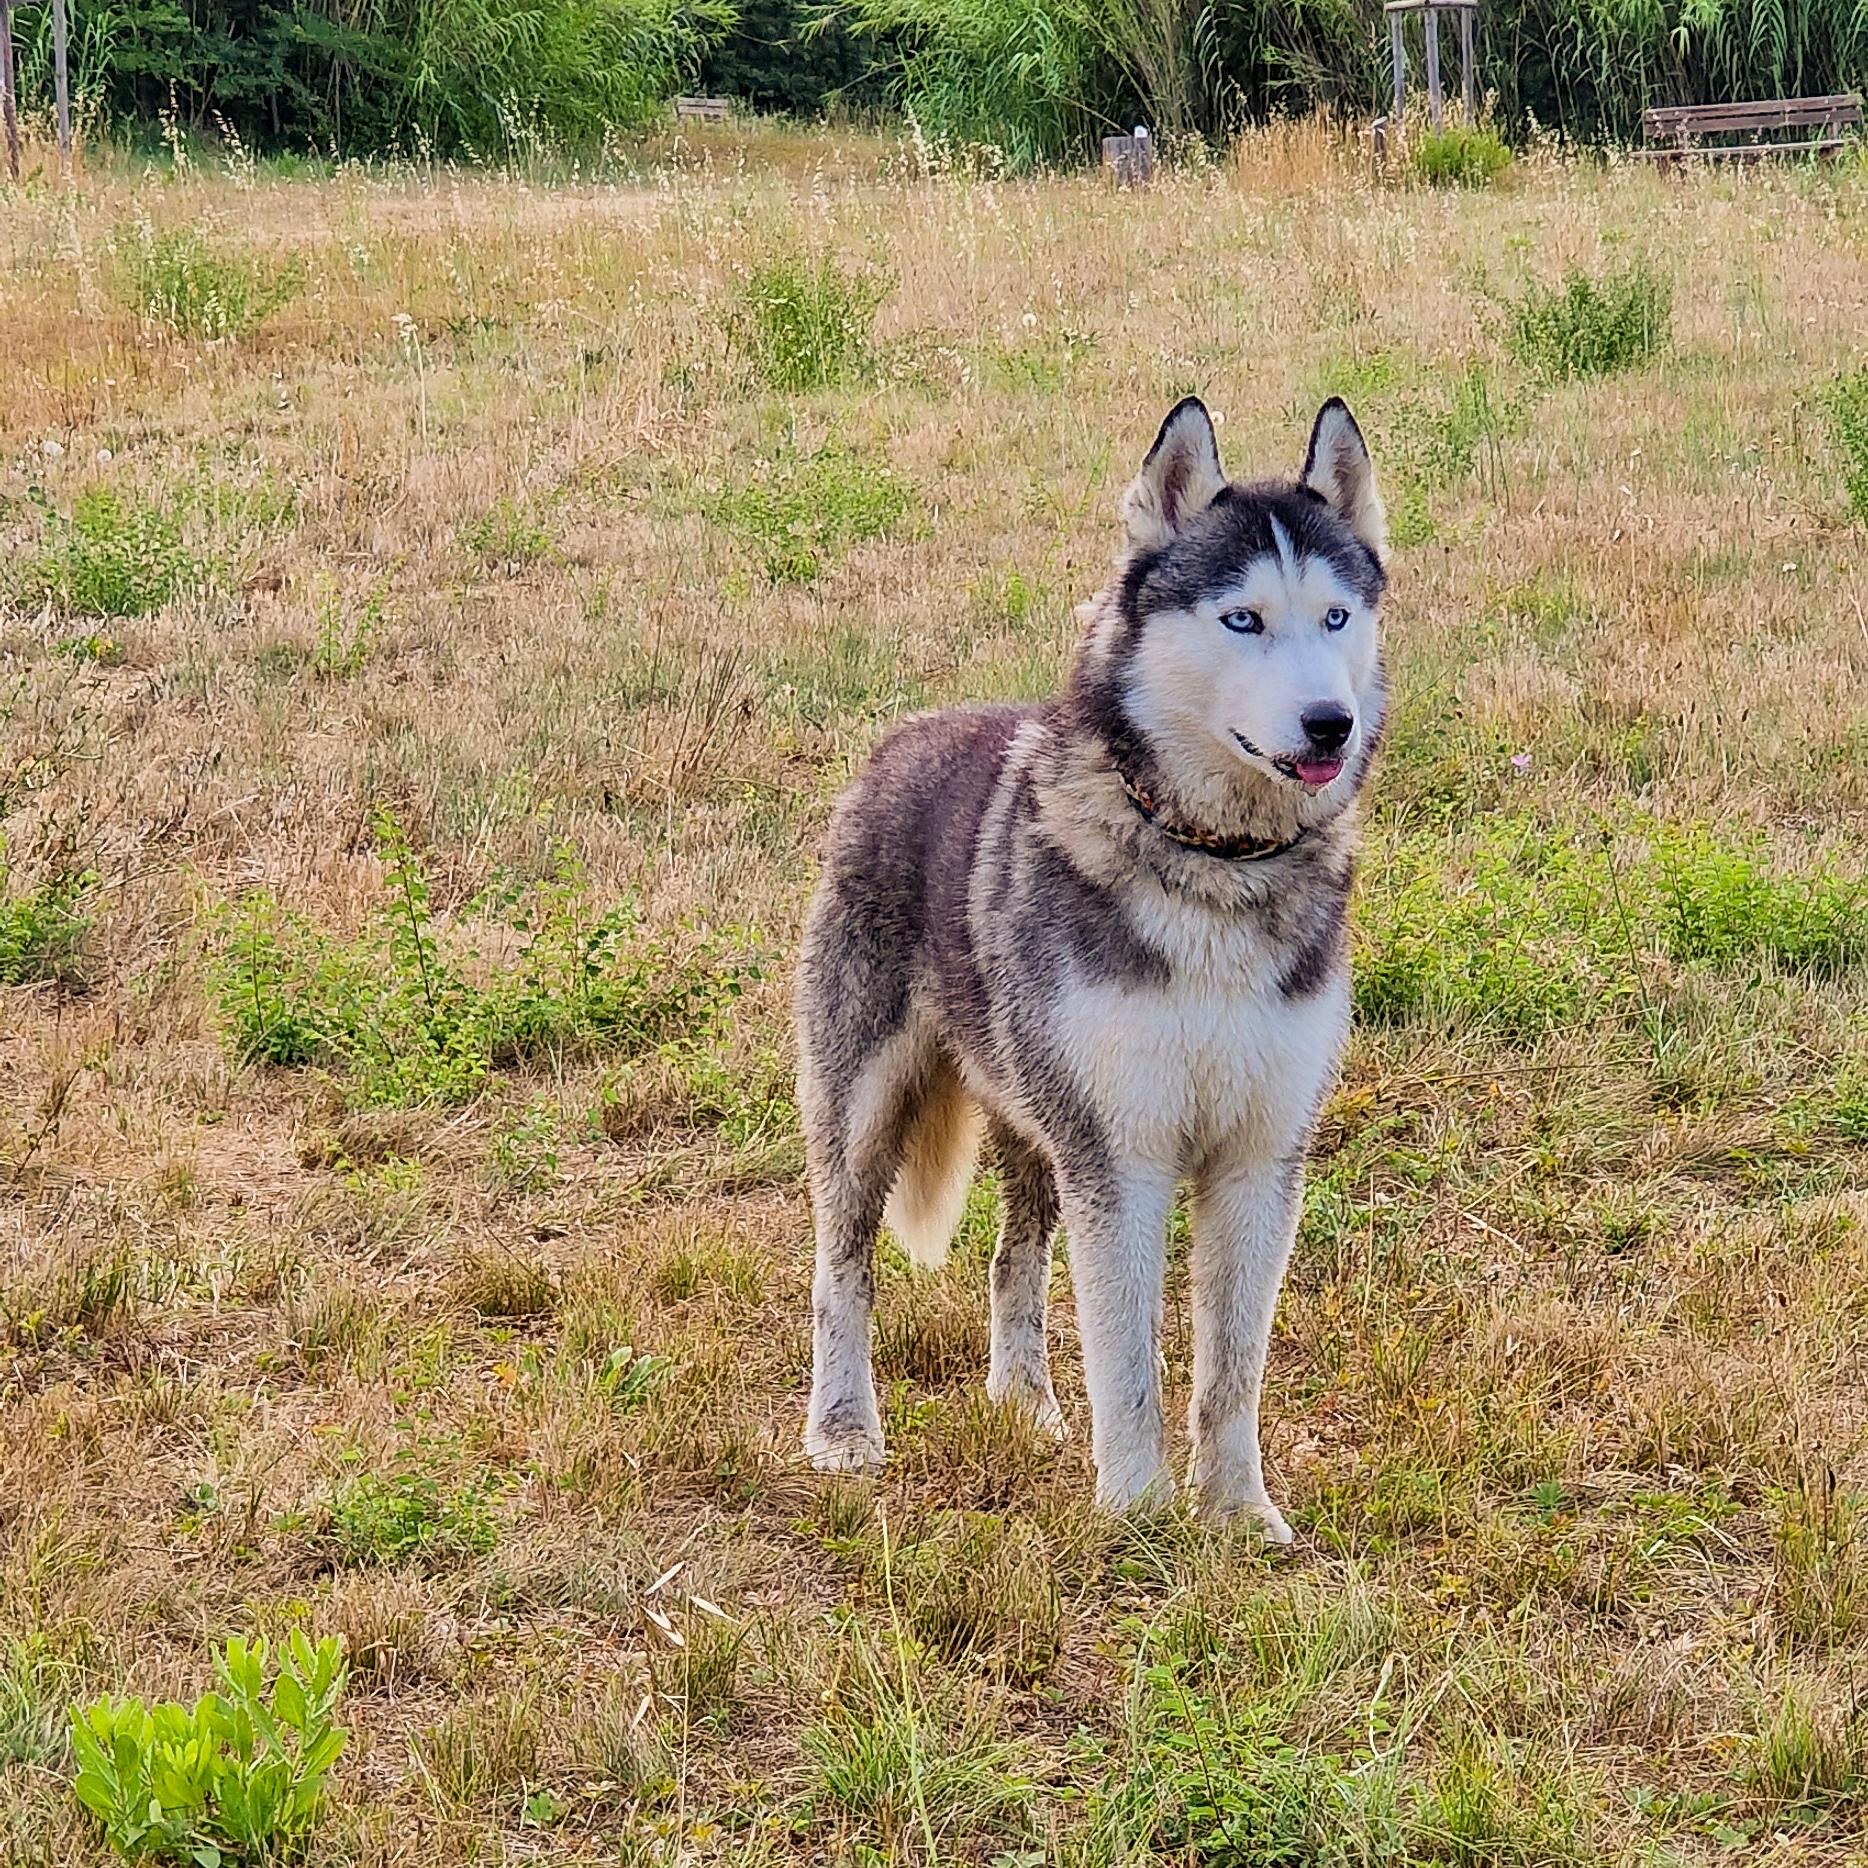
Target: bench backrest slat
{"type": "Point", "coordinates": [1785, 113]}
{"type": "Point", "coordinates": [703, 109]}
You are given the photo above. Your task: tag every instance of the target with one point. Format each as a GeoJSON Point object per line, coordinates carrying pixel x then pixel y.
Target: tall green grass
{"type": "Point", "coordinates": [485, 76]}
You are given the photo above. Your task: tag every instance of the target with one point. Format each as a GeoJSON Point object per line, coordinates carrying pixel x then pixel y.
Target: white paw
{"type": "Point", "coordinates": [1257, 1514]}
{"type": "Point", "coordinates": [844, 1449]}
{"type": "Point", "coordinates": [1036, 1399]}
{"type": "Point", "coordinates": [1137, 1490]}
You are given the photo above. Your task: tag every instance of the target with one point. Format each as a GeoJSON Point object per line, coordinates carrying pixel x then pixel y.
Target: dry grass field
{"type": "Point", "coordinates": [436, 613]}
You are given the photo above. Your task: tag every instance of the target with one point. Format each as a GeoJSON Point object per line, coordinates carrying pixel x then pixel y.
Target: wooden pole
{"type": "Point", "coordinates": [1465, 61]}
{"type": "Point", "coordinates": [61, 78]}
{"type": "Point", "coordinates": [1399, 45]}
{"type": "Point", "coordinates": [1434, 102]}
{"type": "Point", "coordinates": [9, 103]}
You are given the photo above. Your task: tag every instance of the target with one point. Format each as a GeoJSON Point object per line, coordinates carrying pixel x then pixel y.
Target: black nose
{"type": "Point", "coordinates": [1328, 725]}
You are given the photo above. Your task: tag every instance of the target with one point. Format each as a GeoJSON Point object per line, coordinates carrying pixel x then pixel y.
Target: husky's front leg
{"type": "Point", "coordinates": [1244, 1222]}
{"type": "Point", "coordinates": [1117, 1230]}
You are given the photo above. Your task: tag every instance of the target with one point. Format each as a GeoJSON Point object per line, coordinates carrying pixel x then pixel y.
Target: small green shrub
{"type": "Point", "coordinates": [1592, 327]}
{"type": "Point", "coordinates": [409, 1019]}
{"type": "Point", "coordinates": [803, 512]}
{"type": "Point", "coordinates": [1463, 156]}
{"type": "Point", "coordinates": [175, 277]}
{"type": "Point", "coordinates": [239, 1776]}
{"type": "Point", "coordinates": [1846, 406]}
{"type": "Point", "coordinates": [1507, 935]}
{"type": "Point", "coordinates": [507, 537]}
{"type": "Point", "coordinates": [1720, 902]}
{"type": "Point", "coordinates": [406, 1516]}
{"type": "Point", "coordinates": [806, 324]}
{"type": "Point", "coordinates": [1524, 930]}
{"type": "Point", "coordinates": [42, 928]}
{"type": "Point", "coordinates": [344, 640]}
{"type": "Point", "coordinates": [110, 558]}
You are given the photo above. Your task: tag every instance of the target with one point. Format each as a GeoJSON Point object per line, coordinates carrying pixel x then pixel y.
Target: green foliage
{"type": "Point", "coordinates": [889, 1774]}
{"type": "Point", "coordinates": [344, 640]}
{"type": "Point", "coordinates": [110, 559]}
{"type": "Point", "coordinates": [1461, 156]}
{"type": "Point", "coordinates": [409, 1516]}
{"type": "Point", "coordinates": [508, 537]}
{"type": "Point", "coordinates": [1806, 1757]}
{"type": "Point", "coordinates": [409, 1019]}
{"type": "Point", "coordinates": [806, 324]}
{"type": "Point", "coordinates": [1846, 406]}
{"type": "Point", "coordinates": [1525, 930]}
{"type": "Point", "coordinates": [1220, 1782]}
{"type": "Point", "coordinates": [237, 1777]}
{"type": "Point", "coordinates": [1592, 327]}
{"type": "Point", "coordinates": [491, 77]}
{"type": "Point", "coordinates": [788, 57]}
{"type": "Point", "coordinates": [803, 512]}
{"type": "Point", "coordinates": [176, 277]}
{"type": "Point", "coordinates": [1504, 936]}
{"type": "Point", "coordinates": [1023, 81]}
{"type": "Point", "coordinates": [32, 1693]}
{"type": "Point", "coordinates": [1720, 903]}
{"type": "Point", "coordinates": [42, 927]}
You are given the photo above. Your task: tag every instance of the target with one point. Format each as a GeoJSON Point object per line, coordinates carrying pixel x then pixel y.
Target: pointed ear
{"type": "Point", "coordinates": [1338, 467]}
{"type": "Point", "coordinates": [1178, 480]}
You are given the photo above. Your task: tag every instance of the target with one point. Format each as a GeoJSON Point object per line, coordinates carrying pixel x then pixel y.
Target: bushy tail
{"type": "Point", "coordinates": [930, 1189]}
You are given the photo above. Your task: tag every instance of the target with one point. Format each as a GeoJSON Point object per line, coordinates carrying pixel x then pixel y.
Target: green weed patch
{"type": "Point", "coordinates": [406, 1016]}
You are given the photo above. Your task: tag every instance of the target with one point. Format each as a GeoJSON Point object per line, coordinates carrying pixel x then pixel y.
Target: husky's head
{"type": "Point", "coordinates": [1243, 648]}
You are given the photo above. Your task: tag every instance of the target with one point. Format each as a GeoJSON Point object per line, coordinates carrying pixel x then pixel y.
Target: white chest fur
{"type": "Point", "coordinates": [1174, 1072]}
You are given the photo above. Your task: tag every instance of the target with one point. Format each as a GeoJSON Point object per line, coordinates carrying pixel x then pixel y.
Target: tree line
{"type": "Point", "coordinates": [1031, 81]}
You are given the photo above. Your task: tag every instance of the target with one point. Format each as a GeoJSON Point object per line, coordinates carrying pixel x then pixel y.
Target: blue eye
{"type": "Point", "coordinates": [1243, 622]}
{"type": "Point", "coordinates": [1337, 619]}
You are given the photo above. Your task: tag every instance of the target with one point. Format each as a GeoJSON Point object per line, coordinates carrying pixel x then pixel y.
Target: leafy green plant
{"type": "Point", "coordinates": [175, 276]}
{"type": "Point", "coordinates": [409, 1515]}
{"type": "Point", "coordinates": [508, 537]}
{"type": "Point", "coordinates": [1720, 902]}
{"type": "Point", "coordinates": [344, 640]}
{"type": "Point", "coordinates": [1590, 326]}
{"type": "Point", "coordinates": [237, 1777]}
{"type": "Point", "coordinates": [411, 1018]}
{"type": "Point", "coordinates": [1526, 930]}
{"type": "Point", "coordinates": [806, 323]}
{"type": "Point", "coordinates": [110, 558]}
{"type": "Point", "coordinates": [803, 512]}
{"type": "Point", "coordinates": [1846, 406]}
{"type": "Point", "coordinates": [1460, 156]}
{"type": "Point", "coordinates": [42, 927]}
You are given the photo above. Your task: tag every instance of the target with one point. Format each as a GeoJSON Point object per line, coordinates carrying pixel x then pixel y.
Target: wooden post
{"type": "Point", "coordinates": [9, 103]}
{"type": "Point", "coordinates": [1435, 104]}
{"type": "Point", "coordinates": [1399, 44]}
{"type": "Point", "coordinates": [61, 78]}
{"type": "Point", "coordinates": [1465, 63]}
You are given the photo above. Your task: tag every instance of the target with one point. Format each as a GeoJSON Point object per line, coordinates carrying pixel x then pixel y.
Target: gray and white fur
{"type": "Point", "coordinates": [1105, 934]}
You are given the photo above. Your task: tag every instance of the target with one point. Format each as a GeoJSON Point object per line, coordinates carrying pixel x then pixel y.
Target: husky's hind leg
{"type": "Point", "coordinates": [1021, 1280]}
{"type": "Point", "coordinates": [855, 1131]}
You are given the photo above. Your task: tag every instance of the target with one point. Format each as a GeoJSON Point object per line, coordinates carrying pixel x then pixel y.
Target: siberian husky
{"type": "Point", "coordinates": [1105, 934]}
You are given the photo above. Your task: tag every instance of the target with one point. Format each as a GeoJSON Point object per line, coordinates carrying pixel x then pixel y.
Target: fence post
{"type": "Point", "coordinates": [1434, 103]}
{"type": "Point", "coordinates": [1465, 62]}
{"type": "Point", "coordinates": [61, 78]}
{"type": "Point", "coordinates": [9, 102]}
{"type": "Point", "coordinates": [1399, 47]}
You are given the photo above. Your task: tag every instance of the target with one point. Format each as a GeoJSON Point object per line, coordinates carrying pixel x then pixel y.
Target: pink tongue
{"type": "Point", "coordinates": [1318, 771]}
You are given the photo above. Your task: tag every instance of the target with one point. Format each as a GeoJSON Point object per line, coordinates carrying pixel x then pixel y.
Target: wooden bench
{"type": "Point", "coordinates": [702, 109]}
{"type": "Point", "coordinates": [1680, 127]}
